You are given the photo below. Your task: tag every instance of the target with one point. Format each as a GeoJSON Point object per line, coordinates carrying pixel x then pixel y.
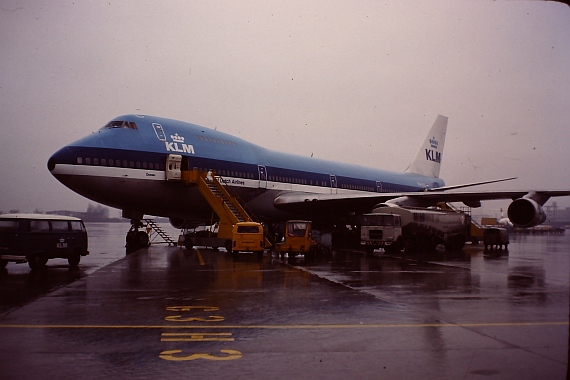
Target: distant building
{"type": "Point", "coordinates": [556, 216]}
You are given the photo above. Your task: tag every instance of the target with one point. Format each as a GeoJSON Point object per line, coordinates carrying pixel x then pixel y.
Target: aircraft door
{"type": "Point", "coordinates": [262, 176]}
{"type": "Point", "coordinates": [159, 131]}
{"type": "Point", "coordinates": [334, 184]}
{"type": "Point", "coordinates": [378, 186]}
{"type": "Point", "coordinates": [173, 167]}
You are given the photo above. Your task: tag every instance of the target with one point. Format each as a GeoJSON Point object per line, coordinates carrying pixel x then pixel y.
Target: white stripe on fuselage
{"type": "Point", "coordinates": [159, 175]}
{"type": "Point", "coordinates": [108, 171]}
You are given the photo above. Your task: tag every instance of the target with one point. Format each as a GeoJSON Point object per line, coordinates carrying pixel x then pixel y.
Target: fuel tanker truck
{"type": "Point", "coordinates": [422, 229]}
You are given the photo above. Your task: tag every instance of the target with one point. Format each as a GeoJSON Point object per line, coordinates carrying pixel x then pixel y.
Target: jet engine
{"type": "Point", "coordinates": [180, 223]}
{"type": "Point", "coordinates": [525, 213]}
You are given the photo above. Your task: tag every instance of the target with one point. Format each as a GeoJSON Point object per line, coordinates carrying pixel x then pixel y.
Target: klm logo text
{"type": "Point", "coordinates": [433, 156]}
{"type": "Point", "coordinates": [179, 147]}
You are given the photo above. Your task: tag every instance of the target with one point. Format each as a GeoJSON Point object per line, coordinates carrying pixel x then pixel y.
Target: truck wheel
{"type": "Point", "coordinates": [188, 242]}
{"type": "Point", "coordinates": [392, 248]}
{"type": "Point", "coordinates": [228, 246]}
{"type": "Point", "coordinates": [74, 259]}
{"type": "Point", "coordinates": [36, 261]}
{"type": "Point", "coordinates": [409, 246]}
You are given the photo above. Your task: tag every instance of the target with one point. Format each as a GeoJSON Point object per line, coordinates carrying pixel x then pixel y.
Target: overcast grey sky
{"type": "Point", "coordinates": [355, 81]}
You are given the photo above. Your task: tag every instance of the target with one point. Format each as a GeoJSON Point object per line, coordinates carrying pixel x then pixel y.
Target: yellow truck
{"type": "Point", "coordinates": [297, 239]}
{"type": "Point", "coordinates": [248, 237]}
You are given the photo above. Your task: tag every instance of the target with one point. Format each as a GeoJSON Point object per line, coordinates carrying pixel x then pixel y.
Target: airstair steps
{"type": "Point", "coordinates": [151, 225]}
{"type": "Point", "coordinates": [232, 203]}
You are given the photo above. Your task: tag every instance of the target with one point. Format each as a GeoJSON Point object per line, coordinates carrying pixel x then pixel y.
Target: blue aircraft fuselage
{"type": "Point", "coordinates": [123, 165]}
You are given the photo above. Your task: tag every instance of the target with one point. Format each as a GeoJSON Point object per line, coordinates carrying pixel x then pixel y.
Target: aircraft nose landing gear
{"type": "Point", "coordinates": [135, 237]}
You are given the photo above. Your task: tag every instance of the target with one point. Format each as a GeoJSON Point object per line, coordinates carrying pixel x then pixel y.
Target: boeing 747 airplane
{"type": "Point", "coordinates": [129, 163]}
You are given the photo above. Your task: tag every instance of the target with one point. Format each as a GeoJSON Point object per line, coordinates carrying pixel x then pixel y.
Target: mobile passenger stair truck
{"type": "Point", "coordinates": [422, 229]}
{"type": "Point", "coordinates": [229, 211]}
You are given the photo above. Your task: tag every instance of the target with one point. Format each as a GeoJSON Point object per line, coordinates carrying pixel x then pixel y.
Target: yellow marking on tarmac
{"type": "Point", "coordinates": [285, 327]}
{"type": "Point", "coordinates": [197, 337]}
{"type": "Point", "coordinates": [200, 257]}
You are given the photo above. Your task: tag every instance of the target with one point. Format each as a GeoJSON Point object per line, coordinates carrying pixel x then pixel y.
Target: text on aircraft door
{"type": "Point", "coordinates": [262, 176]}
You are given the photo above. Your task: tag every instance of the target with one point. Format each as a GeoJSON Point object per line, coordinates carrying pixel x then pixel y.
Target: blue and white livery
{"type": "Point", "coordinates": [126, 165]}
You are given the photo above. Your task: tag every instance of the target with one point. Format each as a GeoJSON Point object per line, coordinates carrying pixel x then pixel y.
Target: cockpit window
{"type": "Point", "coordinates": [120, 124]}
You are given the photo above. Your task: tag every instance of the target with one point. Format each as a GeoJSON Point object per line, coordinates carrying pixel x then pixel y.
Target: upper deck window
{"type": "Point", "coordinates": [120, 124]}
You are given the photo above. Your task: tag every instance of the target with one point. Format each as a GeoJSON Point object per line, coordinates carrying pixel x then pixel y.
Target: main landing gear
{"type": "Point", "coordinates": [135, 237]}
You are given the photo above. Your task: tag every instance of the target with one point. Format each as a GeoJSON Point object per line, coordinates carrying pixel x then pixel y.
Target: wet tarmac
{"type": "Point", "coordinates": [165, 312]}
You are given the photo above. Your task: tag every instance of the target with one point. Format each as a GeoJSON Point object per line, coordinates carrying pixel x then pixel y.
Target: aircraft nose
{"type": "Point", "coordinates": [56, 159]}
{"type": "Point", "coordinates": [51, 163]}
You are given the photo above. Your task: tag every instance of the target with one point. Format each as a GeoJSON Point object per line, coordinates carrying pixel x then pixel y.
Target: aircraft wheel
{"type": "Point", "coordinates": [142, 239]}
{"type": "Point", "coordinates": [3, 263]}
{"type": "Point", "coordinates": [131, 238]}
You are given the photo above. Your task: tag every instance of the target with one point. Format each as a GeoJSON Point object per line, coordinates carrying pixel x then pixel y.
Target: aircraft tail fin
{"type": "Point", "coordinates": [428, 159]}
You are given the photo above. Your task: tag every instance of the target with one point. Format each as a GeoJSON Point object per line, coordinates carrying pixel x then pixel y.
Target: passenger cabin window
{"type": "Point", "coordinates": [59, 225]}
{"type": "Point", "coordinates": [297, 229]}
{"type": "Point", "coordinates": [39, 225]}
{"type": "Point", "coordinates": [77, 226]}
{"type": "Point", "coordinates": [9, 225]}
{"type": "Point", "coordinates": [120, 124]}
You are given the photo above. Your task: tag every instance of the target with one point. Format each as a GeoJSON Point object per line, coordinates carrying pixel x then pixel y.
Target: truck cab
{"type": "Point", "coordinates": [381, 230]}
{"type": "Point", "coordinates": [297, 239]}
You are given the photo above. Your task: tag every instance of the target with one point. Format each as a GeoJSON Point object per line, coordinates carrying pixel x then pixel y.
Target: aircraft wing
{"type": "Point", "coordinates": [345, 203]}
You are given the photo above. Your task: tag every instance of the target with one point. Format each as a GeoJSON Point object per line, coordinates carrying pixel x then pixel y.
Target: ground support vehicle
{"type": "Point", "coordinates": [381, 230]}
{"type": "Point", "coordinates": [36, 238]}
{"type": "Point", "coordinates": [205, 236]}
{"type": "Point", "coordinates": [248, 237]}
{"type": "Point", "coordinates": [297, 239]}
{"type": "Point", "coordinates": [227, 208]}
{"type": "Point", "coordinates": [496, 238]}
{"type": "Point", "coordinates": [423, 229]}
